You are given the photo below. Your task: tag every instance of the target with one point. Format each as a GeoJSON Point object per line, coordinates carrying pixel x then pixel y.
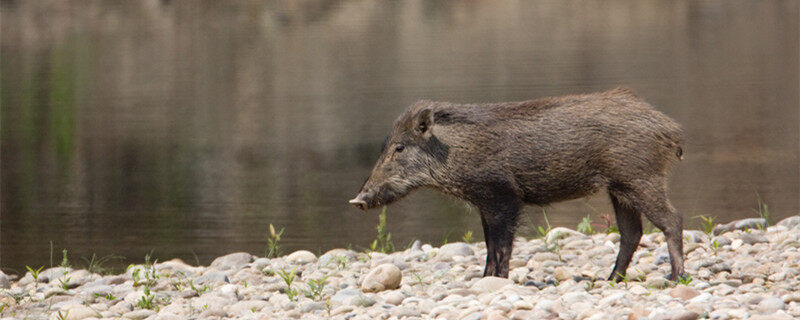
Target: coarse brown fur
{"type": "Point", "coordinates": [501, 156]}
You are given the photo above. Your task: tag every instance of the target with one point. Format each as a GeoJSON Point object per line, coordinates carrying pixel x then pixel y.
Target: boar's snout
{"type": "Point", "coordinates": [359, 201]}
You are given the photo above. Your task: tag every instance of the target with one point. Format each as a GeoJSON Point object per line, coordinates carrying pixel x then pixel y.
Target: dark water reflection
{"type": "Point", "coordinates": [185, 127]}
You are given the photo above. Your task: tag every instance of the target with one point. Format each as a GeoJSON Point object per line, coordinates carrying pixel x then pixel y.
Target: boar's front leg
{"type": "Point", "coordinates": [499, 221]}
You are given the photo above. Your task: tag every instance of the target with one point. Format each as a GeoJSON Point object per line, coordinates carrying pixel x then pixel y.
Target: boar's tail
{"type": "Point", "coordinates": [679, 153]}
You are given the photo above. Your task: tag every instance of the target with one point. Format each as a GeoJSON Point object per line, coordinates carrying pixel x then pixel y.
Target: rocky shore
{"type": "Point", "coordinates": [740, 271]}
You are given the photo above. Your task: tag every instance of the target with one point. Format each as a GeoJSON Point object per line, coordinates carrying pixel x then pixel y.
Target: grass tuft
{"type": "Point", "coordinates": [273, 239]}
{"type": "Point", "coordinates": [384, 241]}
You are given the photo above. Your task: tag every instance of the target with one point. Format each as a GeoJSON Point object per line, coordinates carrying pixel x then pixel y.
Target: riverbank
{"type": "Point", "coordinates": [739, 271]}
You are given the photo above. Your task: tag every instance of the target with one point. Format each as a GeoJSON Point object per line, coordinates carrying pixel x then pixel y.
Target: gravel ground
{"type": "Point", "coordinates": [738, 272]}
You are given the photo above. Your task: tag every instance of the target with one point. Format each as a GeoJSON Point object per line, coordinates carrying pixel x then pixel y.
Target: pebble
{"type": "Point", "coordinates": [233, 261]}
{"type": "Point", "coordinates": [750, 274]}
{"type": "Point", "coordinates": [301, 257]}
{"type": "Point", "coordinates": [450, 250]}
{"type": "Point", "coordinates": [683, 292]}
{"type": "Point", "coordinates": [770, 305]}
{"type": "Point", "coordinates": [139, 314]}
{"type": "Point", "coordinates": [383, 277]}
{"type": "Point", "coordinates": [744, 224]}
{"type": "Point", "coordinates": [394, 297]}
{"type": "Point", "coordinates": [488, 284]}
{"type": "Point", "coordinates": [5, 282]}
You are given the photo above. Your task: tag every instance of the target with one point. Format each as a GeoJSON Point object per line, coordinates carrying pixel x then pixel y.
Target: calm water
{"type": "Point", "coordinates": [187, 127]}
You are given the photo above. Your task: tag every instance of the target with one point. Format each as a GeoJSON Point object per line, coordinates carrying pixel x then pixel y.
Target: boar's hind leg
{"type": "Point", "coordinates": [650, 198]}
{"type": "Point", "coordinates": [630, 230]}
{"type": "Point", "coordinates": [498, 229]}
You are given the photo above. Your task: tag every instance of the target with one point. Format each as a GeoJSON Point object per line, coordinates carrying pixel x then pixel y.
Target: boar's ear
{"type": "Point", "coordinates": [423, 122]}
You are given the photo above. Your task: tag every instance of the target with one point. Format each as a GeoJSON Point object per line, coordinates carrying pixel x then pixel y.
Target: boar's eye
{"type": "Point", "coordinates": [399, 148]}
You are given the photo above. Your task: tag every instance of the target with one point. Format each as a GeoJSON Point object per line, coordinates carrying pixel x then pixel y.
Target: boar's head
{"type": "Point", "coordinates": [410, 158]}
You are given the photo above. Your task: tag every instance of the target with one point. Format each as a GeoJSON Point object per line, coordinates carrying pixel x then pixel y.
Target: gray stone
{"type": "Point", "coordinates": [99, 290]}
{"type": "Point", "coordinates": [260, 263]}
{"type": "Point", "coordinates": [213, 312]}
{"type": "Point", "coordinates": [401, 312]}
{"type": "Point", "coordinates": [560, 233]}
{"type": "Point", "coordinates": [752, 238]}
{"type": "Point", "coordinates": [694, 236]}
{"type": "Point", "coordinates": [54, 273]}
{"type": "Point", "coordinates": [384, 277]}
{"type": "Point", "coordinates": [345, 296]}
{"type": "Point", "coordinates": [448, 251]}
{"type": "Point", "coordinates": [771, 305]}
{"type": "Point", "coordinates": [545, 256]}
{"type": "Point", "coordinates": [362, 301]}
{"type": "Point", "coordinates": [683, 292]}
{"type": "Point", "coordinates": [139, 314]}
{"type": "Point", "coordinates": [473, 316]}
{"type": "Point", "coordinates": [211, 301]}
{"type": "Point", "coordinates": [488, 284]}
{"type": "Point", "coordinates": [213, 277]}
{"type": "Point", "coordinates": [5, 283]}
{"type": "Point", "coordinates": [233, 261]}
{"type": "Point", "coordinates": [327, 261]}
{"type": "Point", "coordinates": [751, 223]}
{"type": "Point", "coordinates": [659, 282]}
{"type": "Point", "coordinates": [301, 257]}
{"type": "Point", "coordinates": [313, 306]}
{"type": "Point", "coordinates": [416, 246]}
{"type": "Point", "coordinates": [177, 266]}
{"type": "Point", "coordinates": [246, 307]}
{"type": "Point", "coordinates": [721, 241]}
{"type": "Point", "coordinates": [79, 312]}
{"type": "Point", "coordinates": [789, 222]}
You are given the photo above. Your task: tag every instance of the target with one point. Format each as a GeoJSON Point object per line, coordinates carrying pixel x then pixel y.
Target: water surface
{"type": "Point", "coordinates": [186, 128]}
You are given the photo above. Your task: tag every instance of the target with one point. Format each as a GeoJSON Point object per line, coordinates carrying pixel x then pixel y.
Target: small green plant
{"type": "Point", "coordinates": [467, 236]}
{"type": "Point", "coordinates": [64, 283]}
{"type": "Point", "coordinates": [609, 224]}
{"type": "Point", "coordinates": [763, 212]}
{"type": "Point", "coordinates": [714, 247]}
{"type": "Point", "coordinates": [273, 238]}
{"type": "Point", "coordinates": [197, 290]}
{"type": "Point", "coordinates": [585, 226]}
{"type": "Point", "coordinates": [64, 259]}
{"type": "Point", "coordinates": [648, 228]}
{"type": "Point", "coordinates": [328, 306]}
{"type": "Point", "coordinates": [707, 223]}
{"type": "Point", "coordinates": [384, 241]}
{"type": "Point", "coordinates": [109, 296]}
{"type": "Point", "coordinates": [542, 232]}
{"type": "Point", "coordinates": [51, 253]}
{"type": "Point", "coordinates": [62, 316]}
{"type": "Point", "coordinates": [686, 279]}
{"type": "Point", "coordinates": [315, 288]}
{"type": "Point", "coordinates": [341, 262]}
{"type": "Point", "coordinates": [621, 278]}
{"type": "Point", "coordinates": [446, 238]}
{"type": "Point", "coordinates": [146, 301]}
{"type": "Point", "coordinates": [34, 274]}
{"type": "Point", "coordinates": [146, 275]}
{"type": "Point", "coordinates": [96, 264]}
{"type": "Point", "coordinates": [589, 285]}
{"type": "Point", "coordinates": [18, 296]}
{"type": "Point", "coordinates": [288, 278]}
{"type": "Point", "coordinates": [418, 277]}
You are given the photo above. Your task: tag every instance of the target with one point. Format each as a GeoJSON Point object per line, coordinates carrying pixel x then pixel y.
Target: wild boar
{"type": "Point", "coordinates": [501, 156]}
